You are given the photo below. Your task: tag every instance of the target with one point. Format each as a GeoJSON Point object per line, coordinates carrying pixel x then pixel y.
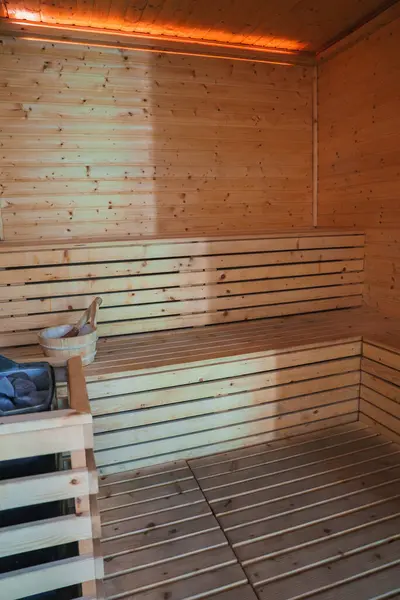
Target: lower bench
{"type": "Point", "coordinates": [146, 418]}
{"type": "Point", "coordinates": [166, 396]}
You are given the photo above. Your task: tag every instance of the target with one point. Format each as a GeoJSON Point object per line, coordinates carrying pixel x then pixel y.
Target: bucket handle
{"type": "Point", "coordinates": [93, 311]}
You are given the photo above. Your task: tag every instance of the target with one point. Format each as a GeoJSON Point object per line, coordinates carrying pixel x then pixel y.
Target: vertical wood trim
{"type": "Point", "coordinates": [315, 146]}
{"type": "Point", "coordinates": [1, 221]}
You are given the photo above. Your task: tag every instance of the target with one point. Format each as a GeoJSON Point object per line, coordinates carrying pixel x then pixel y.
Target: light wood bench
{"type": "Point", "coordinates": [170, 389]}
{"type": "Point", "coordinates": [157, 285]}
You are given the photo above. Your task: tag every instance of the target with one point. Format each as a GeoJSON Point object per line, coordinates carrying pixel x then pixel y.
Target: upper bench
{"type": "Point", "coordinates": [154, 285]}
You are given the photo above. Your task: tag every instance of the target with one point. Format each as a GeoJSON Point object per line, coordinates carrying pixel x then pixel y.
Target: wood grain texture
{"type": "Point", "coordinates": [159, 546]}
{"type": "Point", "coordinates": [291, 25]}
{"type": "Point", "coordinates": [221, 406]}
{"type": "Point", "coordinates": [315, 516]}
{"type": "Point", "coordinates": [380, 386]}
{"type": "Point", "coordinates": [320, 509]}
{"type": "Point", "coordinates": [55, 432]}
{"type": "Point", "coordinates": [150, 286]}
{"type": "Point", "coordinates": [134, 355]}
{"type": "Point", "coordinates": [107, 143]}
{"type": "Point", "coordinates": [78, 398]}
{"type": "Point", "coordinates": [359, 155]}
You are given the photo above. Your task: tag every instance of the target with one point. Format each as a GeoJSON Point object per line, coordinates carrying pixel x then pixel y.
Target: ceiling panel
{"type": "Point", "coordinates": [308, 25]}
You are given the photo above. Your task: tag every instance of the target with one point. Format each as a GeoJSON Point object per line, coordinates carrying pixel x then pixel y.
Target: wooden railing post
{"type": "Point", "coordinates": [79, 401]}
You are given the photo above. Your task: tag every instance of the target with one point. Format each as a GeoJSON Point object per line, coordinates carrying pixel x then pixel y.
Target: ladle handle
{"type": "Point", "coordinates": [93, 311]}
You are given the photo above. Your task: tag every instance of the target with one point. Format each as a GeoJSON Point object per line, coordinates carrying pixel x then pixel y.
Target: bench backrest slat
{"type": "Point", "coordinates": [151, 286]}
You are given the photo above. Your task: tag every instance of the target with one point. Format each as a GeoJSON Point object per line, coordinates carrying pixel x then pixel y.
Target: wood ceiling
{"type": "Point", "coordinates": [307, 25]}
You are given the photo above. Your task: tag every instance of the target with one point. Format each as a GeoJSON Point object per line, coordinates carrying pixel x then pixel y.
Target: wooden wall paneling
{"type": "Point", "coordinates": [359, 91]}
{"type": "Point", "coordinates": [203, 283]}
{"type": "Point", "coordinates": [380, 388]}
{"type": "Point", "coordinates": [382, 280]}
{"type": "Point", "coordinates": [107, 143]}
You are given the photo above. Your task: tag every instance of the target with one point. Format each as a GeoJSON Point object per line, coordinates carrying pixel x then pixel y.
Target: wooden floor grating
{"type": "Point", "coordinates": [162, 541]}
{"type": "Point", "coordinates": [315, 516]}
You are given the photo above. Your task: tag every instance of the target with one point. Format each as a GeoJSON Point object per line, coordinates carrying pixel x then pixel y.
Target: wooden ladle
{"type": "Point", "coordinates": [90, 315]}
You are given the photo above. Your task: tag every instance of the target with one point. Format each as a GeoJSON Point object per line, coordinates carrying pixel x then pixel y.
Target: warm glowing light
{"type": "Point", "coordinates": [159, 32]}
{"type": "Point", "coordinates": [21, 13]}
{"type": "Point", "coordinates": [155, 50]}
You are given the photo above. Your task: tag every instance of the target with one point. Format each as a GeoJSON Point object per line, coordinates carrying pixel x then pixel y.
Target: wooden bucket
{"type": "Point", "coordinates": [59, 349]}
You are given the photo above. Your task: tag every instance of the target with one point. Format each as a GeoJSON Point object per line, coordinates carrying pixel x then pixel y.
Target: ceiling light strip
{"type": "Point", "coordinates": [154, 43]}
{"type": "Point", "coordinates": [54, 40]}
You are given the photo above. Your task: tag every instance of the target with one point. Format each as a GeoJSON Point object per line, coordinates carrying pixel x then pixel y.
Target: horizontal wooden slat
{"type": "Point", "coordinates": [43, 421]}
{"type": "Point", "coordinates": [186, 307]}
{"type": "Point", "coordinates": [44, 534]}
{"type": "Point", "coordinates": [35, 443]}
{"type": "Point", "coordinates": [389, 358]}
{"type": "Point", "coordinates": [207, 404]}
{"type": "Point", "coordinates": [373, 461]}
{"type": "Point", "coordinates": [146, 296]}
{"type": "Point", "coordinates": [152, 545]}
{"type": "Point", "coordinates": [385, 388]}
{"type": "Point", "coordinates": [240, 486]}
{"type": "Point", "coordinates": [184, 279]}
{"type": "Point", "coordinates": [186, 424]}
{"type": "Point", "coordinates": [160, 285]}
{"type": "Point", "coordinates": [145, 264]}
{"type": "Point", "coordinates": [47, 577]}
{"type": "Point", "coordinates": [380, 387]}
{"type": "Point", "coordinates": [40, 489]}
{"type": "Point", "coordinates": [392, 407]}
{"type": "Point", "coordinates": [241, 430]}
{"type": "Point", "coordinates": [232, 444]}
{"type": "Point", "coordinates": [234, 367]}
{"type": "Point", "coordinates": [215, 464]}
{"type": "Point", "coordinates": [380, 371]}
{"type": "Point", "coordinates": [378, 423]}
{"type": "Point", "coordinates": [290, 240]}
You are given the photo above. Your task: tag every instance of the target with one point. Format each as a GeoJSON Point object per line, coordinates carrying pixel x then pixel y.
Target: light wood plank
{"type": "Point", "coordinates": [40, 489]}
{"type": "Point", "coordinates": [375, 459]}
{"type": "Point", "coordinates": [44, 534]}
{"type": "Point", "coordinates": [47, 577]}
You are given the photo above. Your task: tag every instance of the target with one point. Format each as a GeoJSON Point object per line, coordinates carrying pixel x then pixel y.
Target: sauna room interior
{"type": "Point", "coordinates": [199, 300]}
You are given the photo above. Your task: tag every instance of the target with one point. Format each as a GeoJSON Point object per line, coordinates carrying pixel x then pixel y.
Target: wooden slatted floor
{"type": "Point", "coordinates": [162, 541]}
{"type": "Point", "coordinates": [315, 516]}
